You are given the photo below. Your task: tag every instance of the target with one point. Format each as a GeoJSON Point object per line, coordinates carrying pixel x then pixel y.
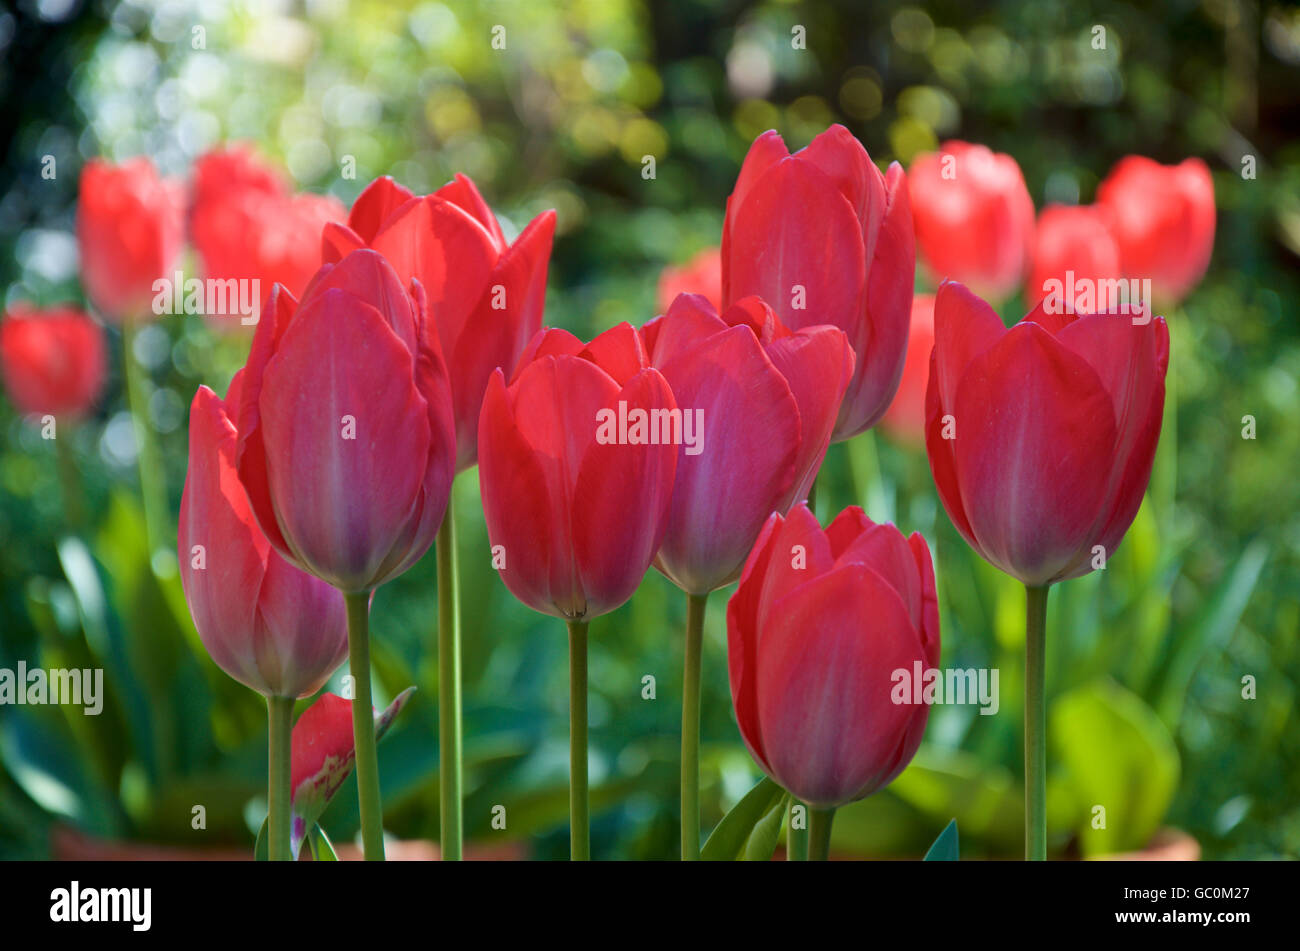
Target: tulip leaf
{"type": "Point", "coordinates": [946, 847]}
{"type": "Point", "coordinates": [750, 831]}
{"type": "Point", "coordinates": [1121, 762]}
{"type": "Point", "coordinates": [260, 847]}
{"type": "Point", "coordinates": [322, 849]}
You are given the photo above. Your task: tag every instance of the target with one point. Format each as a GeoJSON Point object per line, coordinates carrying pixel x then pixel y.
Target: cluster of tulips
{"type": "Point", "coordinates": [402, 343]}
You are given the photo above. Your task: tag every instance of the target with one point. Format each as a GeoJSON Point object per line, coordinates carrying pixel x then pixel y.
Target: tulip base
{"type": "Point", "coordinates": [1035, 723]}
{"type": "Point", "coordinates": [279, 712]}
{"type": "Point", "coordinates": [695, 605]}
{"type": "Point", "coordinates": [449, 704]}
{"type": "Point", "coordinates": [363, 727]}
{"type": "Point", "coordinates": [579, 800]}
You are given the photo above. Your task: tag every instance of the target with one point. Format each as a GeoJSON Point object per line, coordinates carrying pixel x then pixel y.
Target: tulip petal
{"type": "Point", "coordinates": [743, 612]}
{"type": "Point", "coordinates": [719, 504]}
{"type": "Point", "coordinates": [339, 365]}
{"type": "Point", "coordinates": [690, 319]}
{"type": "Point", "coordinates": [840, 156]}
{"type": "Point", "coordinates": [800, 552]}
{"type": "Point", "coordinates": [1033, 420]}
{"type": "Point", "coordinates": [827, 655]}
{"type": "Point", "coordinates": [375, 205]}
{"type": "Point", "coordinates": [624, 491]}
{"type": "Point", "coordinates": [964, 327]}
{"type": "Point", "coordinates": [462, 192]}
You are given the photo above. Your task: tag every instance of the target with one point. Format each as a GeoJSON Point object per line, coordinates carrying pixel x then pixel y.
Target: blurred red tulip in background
{"type": "Point", "coordinates": [246, 224]}
{"type": "Point", "coordinates": [267, 624]}
{"type": "Point", "coordinates": [346, 438]}
{"type": "Point", "coordinates": [824, 238]}
{"type": "Point", "coordinates": [486, 296]}
{"type": "Point", "coordinates": [1072, 243]}
{"type": "Point", "coordinates": [130, 229]}
{"type": "Point", "coordinates": [974, 218]}
{"type": "Point", "coordinates": [905, 418]}
{"type": "Point", "coordinates": [817, 628]}
{"type": "Point", "coordinates": [702, 275]}
{"type": "Point", "coordinates": [1041, 437]}
{"type": "Point", "coordinates": [52, 360]}
{"type": "Point", "coordinates": [1163, 221]}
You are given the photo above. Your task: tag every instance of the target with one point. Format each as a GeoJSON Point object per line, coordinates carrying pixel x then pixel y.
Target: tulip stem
{"type": "Point", "coordinates": [579, 803]}
{"type": "Point", "coordinates": [449, 703]}
{"type": "Point", "coordinates": [796, 839]}
{"type": "Point", "coordinates": [70, 481]}
{"type": "Point", "coordinates": [819, 833]}
{"type": "Point", "coordinates": [153, 491]}
{"type": "Point", "coordinates": [695, 604]}
{"type": "Point", "coordinates": [363, 727]}
{"type": "Point", "coordinates": [1035, 723]}
{"type": "Point", "coordinates": [279, 712]}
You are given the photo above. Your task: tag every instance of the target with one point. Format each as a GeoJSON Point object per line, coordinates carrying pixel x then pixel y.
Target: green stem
{"type": "Point", "coordinates": [695, 604]}
{"type": "Point", "coordinates": [279, 711]}
{"type": "Point", "coordinates": [70, 480]}
{"type": "Point", "coordinates": [153, 490]}
{"type": "Point", "coordinates": [449, 703]}
{"type": "Point", "coordinates": [796, 840]}
{"type": "Point", "coordinates": [363, 726]}
{"type": "Point", "coordinates": [1035, 723]}
{"type": "Point", "coordinates": [579, 802]}
{"type": "Point", "coordinates": [819, 833]}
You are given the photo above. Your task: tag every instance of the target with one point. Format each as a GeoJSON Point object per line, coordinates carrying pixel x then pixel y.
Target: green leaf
{"type": "Point", "coordinates": [260, 847]}
{"type": "Point", "coordinates": [946, 847]}
{"type": "Point", "coordinates": [322, 849]}
{"type": "Point", "coordinates": [750, 831]}
{"type": "Point", "coordinates": [1117, 754]}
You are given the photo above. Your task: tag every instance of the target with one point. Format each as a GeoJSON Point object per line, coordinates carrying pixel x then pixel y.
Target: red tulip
{"type": "Point", "coordinates": [247, 225]}
{"type": "Point", "coordinates": [905, 418]}
{"type": "Point", "coordinates": [323, 755]}
{"type": "Point", "coordinates": [824, 238]}
{"type": "Point", "coordinates": [764, 400]}
{"type": "Point", "coordinates": [346, 439]}
{"type": "Point", "coordinates": [129, 231]}
{"type": "Point", "coordinates": [574, 492]}
{"type": "Point", "coordinates": [1073, 247]}
{"type": "Point", "coordinates": [974, 217]}
{"type": "Point", "coordinates": [53, 360]}
{"type": "Point", "coordinates": [816, 630]}
{"type": "Point", "coordinates": [701, 275]}
{"type": "Point", "coordinates": [1041, 437]}
{"type": "Point", "coordinates": [486, 295]}
{"type": "Point", "coordinates": [1163, 220]}
{"type": "Point", "coordinates": [265, 623]}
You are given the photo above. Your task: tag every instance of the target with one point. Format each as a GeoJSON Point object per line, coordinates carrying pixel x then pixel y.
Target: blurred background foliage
{"type": "Point", "coordinates": [1146, 658]}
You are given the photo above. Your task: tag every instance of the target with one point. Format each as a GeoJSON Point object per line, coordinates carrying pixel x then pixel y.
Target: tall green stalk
{"type": "Point", "coordinates": [695, 605]}
{"type": "Point", "coordinates": [449, 703]}
{"type": "Point", "coordinates": [363, 727]}
{"type": "Point", "coordinates": [153, 489]}
{"type": "Point", "coordinates": [796, 840]}
{"type": "Point", "coordinates": [279, 712]}
{"type": "Point", "coordinates": [819, 833]}
{"type": "Point", "coordinates": [579, 800]}
{"type": "Point", "coordinates": [69, 480]}
{"type": "Point", "coordinates": [1035, 723]}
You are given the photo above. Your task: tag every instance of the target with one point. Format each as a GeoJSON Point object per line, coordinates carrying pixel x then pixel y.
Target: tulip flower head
{"type": "Point", "coordinates": [130, 226]}
{"type": "Point", "coordinates": [576, 464]}
{"type": "Point", "coordinates": [768, 399]}
{"type": "Point", "coordinates": [974, 217]}
{"type": "Point", "coordinates": [52, 361]}
{"type": "Point", "coordinates": [1163, 222]}
{"type": "Point", "coordinates": [1074, 247]}
{"type": "Point", "coordinates": [824, 238]}
{"type": "Point", "coordinates": [1041, 436]}
{"type": "Point", "coordinates": [346, 438]}
{"type": "Point", "coordinates": [485, 294]}
{"type": "Point", "coordinates": [267, 624]}
{"type": "Point", "coordinates": [816, 630]}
